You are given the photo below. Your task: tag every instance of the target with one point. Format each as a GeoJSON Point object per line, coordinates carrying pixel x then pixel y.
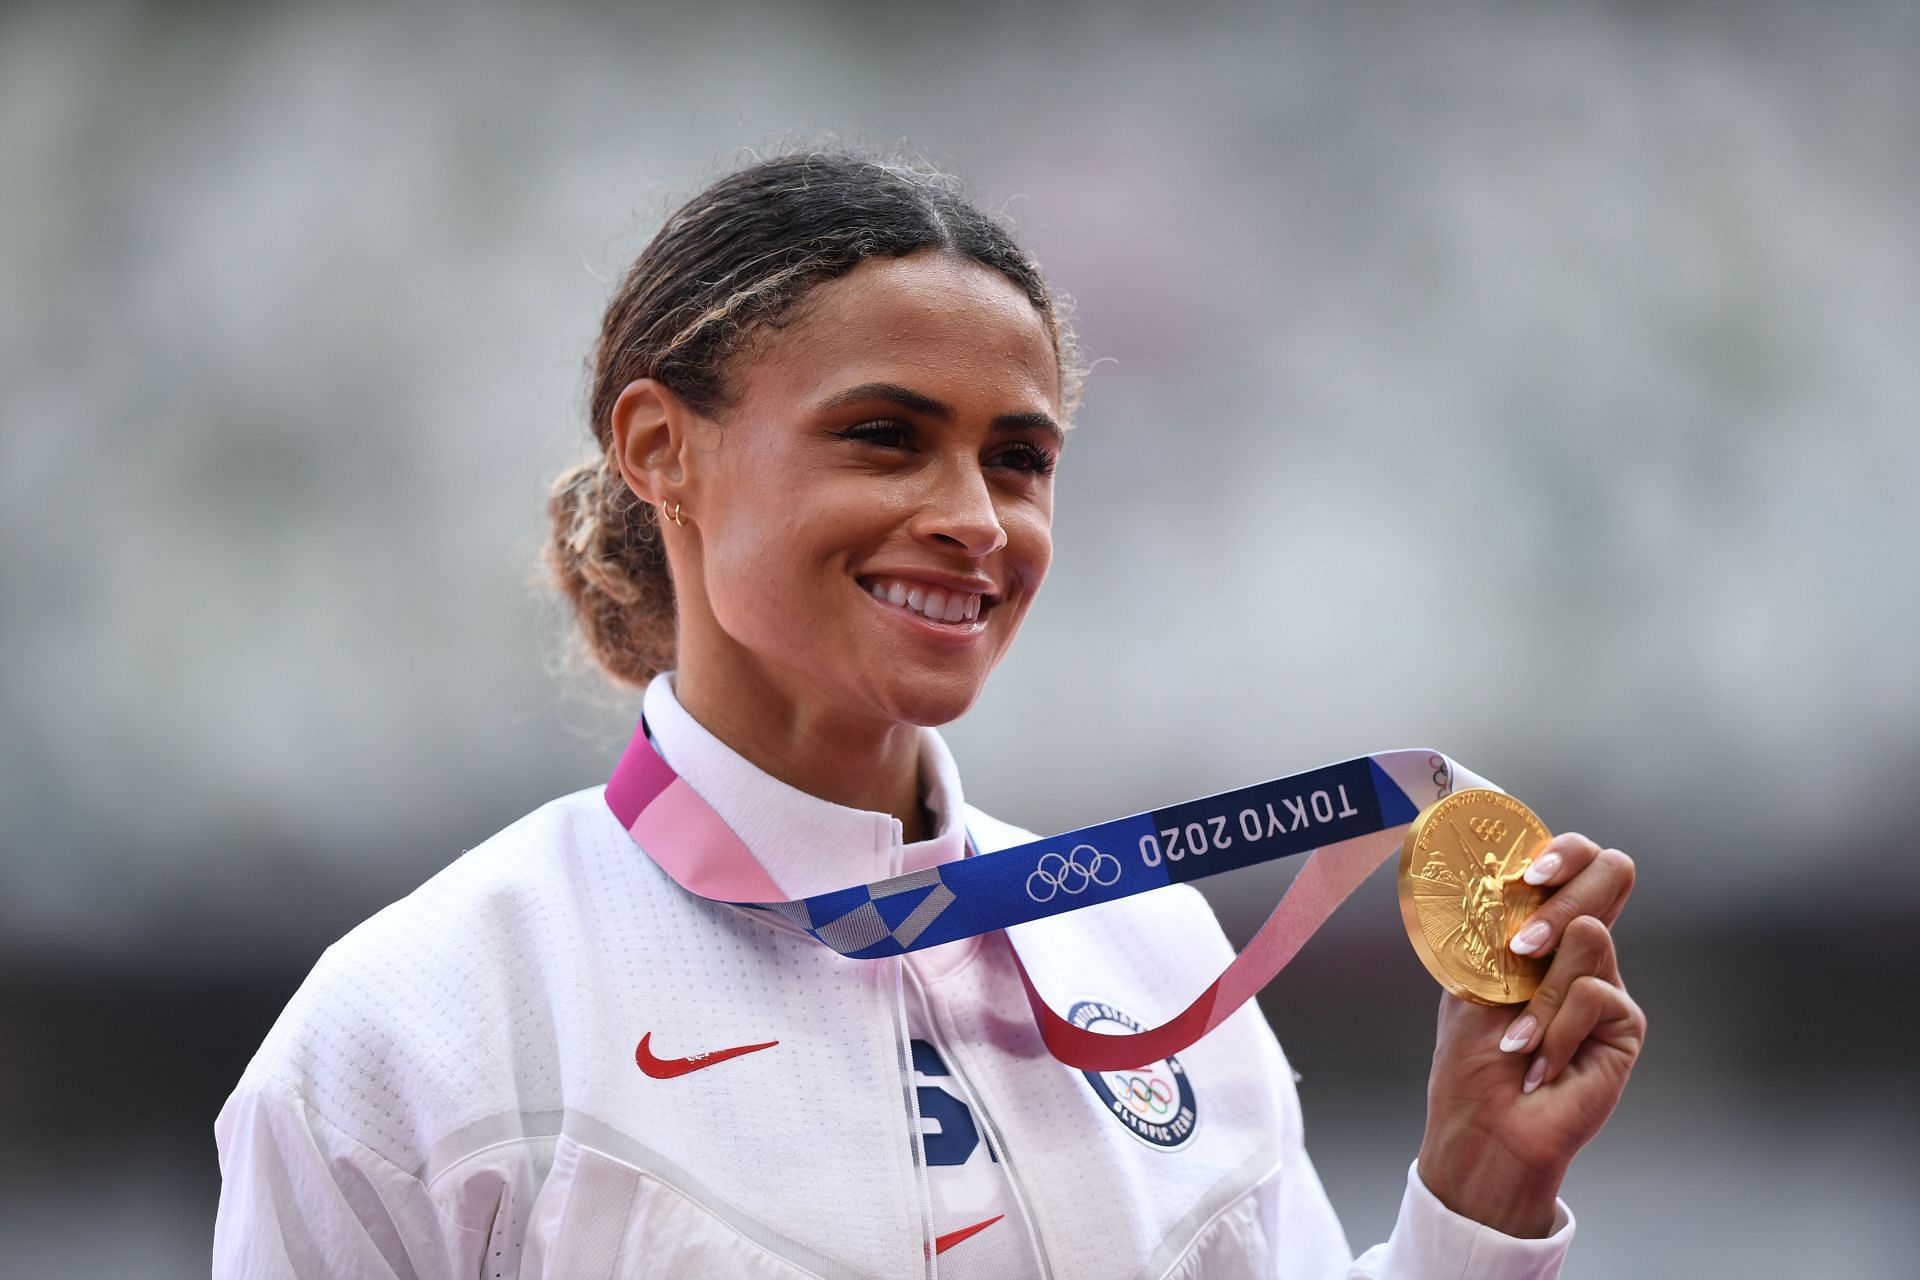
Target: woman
{"type": "Point", "coordinates": [829, 400]}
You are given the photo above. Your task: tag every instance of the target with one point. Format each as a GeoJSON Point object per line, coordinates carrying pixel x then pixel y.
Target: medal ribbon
{"type": "Point", "coordinates": [1348, 817]}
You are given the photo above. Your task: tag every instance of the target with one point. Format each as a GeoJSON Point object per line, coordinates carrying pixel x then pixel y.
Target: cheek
{"type": "Point", "coordinates": [750, 563]}
{"type": "Point", "coordinates": [774, 559]}
{"type": "Point", "coordinates": [1030, 542]}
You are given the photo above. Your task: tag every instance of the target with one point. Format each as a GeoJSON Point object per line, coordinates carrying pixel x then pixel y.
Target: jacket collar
{"type": "Point", "coordinates": [806, 845]}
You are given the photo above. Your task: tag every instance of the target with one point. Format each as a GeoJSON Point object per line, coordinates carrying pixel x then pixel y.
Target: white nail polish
{"type": "Point", "coordinates": [1542, 868]}
{"type": "Point", "coordinates": [1519, 1034]}
{"type": "Point", "coordinates": [1528, 940]}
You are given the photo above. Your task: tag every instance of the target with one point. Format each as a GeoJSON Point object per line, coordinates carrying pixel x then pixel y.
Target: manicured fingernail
{"type": "Point", "coordinates": [1520, 1034]}
{"type": "Point", "coordinates": [1529, 939]}
{"type": "Point", "coordinates": [1543, 869]}
{"type": "Point", "coordinates": [1534, 1074]}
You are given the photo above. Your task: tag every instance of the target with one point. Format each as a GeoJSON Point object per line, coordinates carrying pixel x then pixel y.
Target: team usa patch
{"type": "Point", "coordinates": [1154, 1102]}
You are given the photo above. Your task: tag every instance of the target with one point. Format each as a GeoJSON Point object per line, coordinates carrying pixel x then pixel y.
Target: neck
{"type": "Point", "coordinates": [850, 760]}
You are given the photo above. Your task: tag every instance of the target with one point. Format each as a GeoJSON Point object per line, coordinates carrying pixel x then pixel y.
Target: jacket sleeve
{"type": "Point", "coordinates": [299, 1198]}
{"type": "Point", "coordinates": [1429, 1240]}
{"type": "Point", "coordinates": [1432, 1242]}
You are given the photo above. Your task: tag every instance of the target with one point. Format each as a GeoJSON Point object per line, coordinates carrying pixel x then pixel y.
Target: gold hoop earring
{"type": "Point", "coordinates": [673, 513]}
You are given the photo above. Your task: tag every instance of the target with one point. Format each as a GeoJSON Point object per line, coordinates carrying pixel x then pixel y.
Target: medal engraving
{"type": "Point", "coordinates": [1462, 898]}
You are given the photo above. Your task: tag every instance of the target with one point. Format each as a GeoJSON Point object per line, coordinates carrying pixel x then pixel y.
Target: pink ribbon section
{"type": "Point", "coordinates": [681, 832]}
{"type": "Point", "coordinates": [1328, 877]}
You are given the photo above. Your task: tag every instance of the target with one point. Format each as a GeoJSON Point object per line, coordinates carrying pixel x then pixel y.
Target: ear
{"type": "Point", "coordinates": [652, 428]}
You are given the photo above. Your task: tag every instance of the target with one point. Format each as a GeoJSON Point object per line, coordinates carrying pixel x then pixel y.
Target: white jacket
{"type": "Point", "coordinates": [454, 1089]}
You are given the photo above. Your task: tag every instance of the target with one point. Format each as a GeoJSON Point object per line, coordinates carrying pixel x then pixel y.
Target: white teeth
{"type": "Point", "coordinates": [936, 603]}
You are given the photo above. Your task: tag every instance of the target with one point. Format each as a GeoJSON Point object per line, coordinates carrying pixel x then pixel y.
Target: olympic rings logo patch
{"type": "Point", "coordinates": [1071, 873]}
{"type": "Point", "coordinates": [1154, 1101]}
{"type": "Point", "coordinates": [1149, 1093]}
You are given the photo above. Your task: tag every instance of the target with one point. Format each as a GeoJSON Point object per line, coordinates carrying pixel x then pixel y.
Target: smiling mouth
{"type": "Point", "coordinates": [933, 604]}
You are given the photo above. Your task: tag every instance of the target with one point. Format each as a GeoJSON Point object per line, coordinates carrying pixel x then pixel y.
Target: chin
{"type": "Point", "coordinates": [931, 702]}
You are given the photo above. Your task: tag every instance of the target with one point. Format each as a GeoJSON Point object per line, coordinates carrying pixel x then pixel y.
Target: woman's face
{"type": "Point", "coordinates": [874, 510]}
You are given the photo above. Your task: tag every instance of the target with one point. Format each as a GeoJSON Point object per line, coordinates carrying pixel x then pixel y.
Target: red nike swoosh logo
{"type": "Point", "coordinates": [943, 1243]}
{"type": "Point", "coordinates": [669, 1068]}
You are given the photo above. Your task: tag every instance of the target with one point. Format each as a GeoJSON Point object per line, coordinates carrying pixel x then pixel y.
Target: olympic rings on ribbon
{"type": "Point", "coordinates": [1071, 873]}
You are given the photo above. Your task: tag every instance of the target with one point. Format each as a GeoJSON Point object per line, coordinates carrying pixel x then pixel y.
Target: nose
{"type": "Point", "coordinates": [959, 513]}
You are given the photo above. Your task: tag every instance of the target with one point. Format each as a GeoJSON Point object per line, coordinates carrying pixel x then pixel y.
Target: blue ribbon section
{"type": "Point", "coordinates": [1271, 820]}
{"type": "Point", "coordinates": [1117, 859]}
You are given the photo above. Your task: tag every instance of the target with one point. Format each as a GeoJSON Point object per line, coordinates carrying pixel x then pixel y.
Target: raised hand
{"type": "Point", "coordinates": [1515, 1093]}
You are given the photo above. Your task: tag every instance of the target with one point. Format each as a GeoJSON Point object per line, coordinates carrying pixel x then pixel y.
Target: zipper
{"type": "Point", "coordinates": [903, 1065]}
{"type": "Point", "coordinates": [982, 1121]}
{"type": "Point", "coordinates": [916, 1138]}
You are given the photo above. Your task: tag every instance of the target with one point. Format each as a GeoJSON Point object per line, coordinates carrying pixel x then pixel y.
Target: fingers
{"type": "Point", "coordinates": [1586, 951]}
{"type": "Point", "coordinates": [1581, 1000]}
{"type": "Point", "coordinates": [1587, 880]}
{"type": "Point", "coordinates": [1594, 1010]}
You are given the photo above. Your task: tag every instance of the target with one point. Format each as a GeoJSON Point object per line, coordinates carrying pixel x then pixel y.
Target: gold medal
{"type": "Point", "coordinates": [1462, 898]}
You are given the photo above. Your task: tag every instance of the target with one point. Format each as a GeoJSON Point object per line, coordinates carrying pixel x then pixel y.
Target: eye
{"type": "Point", "coordinates": [1031, 458]}
{"type": "Point", "coordinates": [884, 433]}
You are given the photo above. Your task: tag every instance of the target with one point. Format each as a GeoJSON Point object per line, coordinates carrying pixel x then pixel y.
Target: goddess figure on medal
{"type": "Point", "coordinates": [1484, 907]}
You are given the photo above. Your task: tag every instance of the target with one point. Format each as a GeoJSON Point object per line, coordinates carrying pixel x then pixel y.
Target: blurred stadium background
{"type": "Point", "coordinates": [1535, 382]}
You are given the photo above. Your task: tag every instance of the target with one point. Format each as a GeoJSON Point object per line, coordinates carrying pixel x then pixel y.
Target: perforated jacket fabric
{"type": "Point", "coordinates": [455, 1090]}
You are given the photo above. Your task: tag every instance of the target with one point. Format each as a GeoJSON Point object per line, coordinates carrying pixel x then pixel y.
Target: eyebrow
{"type": "Point", "coordinates": [907, 398]}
